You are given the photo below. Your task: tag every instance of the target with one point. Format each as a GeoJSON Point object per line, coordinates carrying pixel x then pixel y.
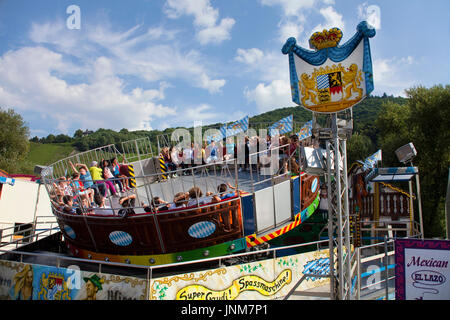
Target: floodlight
{"type": "Point", "coordinates": [312, 161]}
{"type": "Point", "coordinates": [406, 153]}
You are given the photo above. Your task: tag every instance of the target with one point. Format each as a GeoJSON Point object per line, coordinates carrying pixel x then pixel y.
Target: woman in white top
{"type": "Point", "coordinates": [174, 155]}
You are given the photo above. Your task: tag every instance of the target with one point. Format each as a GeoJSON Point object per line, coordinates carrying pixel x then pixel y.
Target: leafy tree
{"type": "Point", "coordinates": [14, 144]}
{"type": "Point", "coordinates": [78, 134]}
{"type": "Point", "coordinates": [430, 123]}
{"type": "Point", "coordinates": [50, 138]}
{"type": "Point", "coordinates": [359, 147]}
{"type": "Point", "coordinates": [394, 130]}
{"type": "Point", "coordinates": [424, 121]}
{"type": "Point", "coordinates": [61, 138]}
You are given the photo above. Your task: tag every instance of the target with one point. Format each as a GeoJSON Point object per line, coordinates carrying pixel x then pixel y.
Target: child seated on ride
{"type": "Point", "coordinates": [97, 176]}
{"type": "Point", "coordinates": [157, 204]}
{"type": "Point", "coordinates": [180, 200]}
{"type": "Point", "coordinates": [69, 206]}
{"type": "Point", "coordinates": [102, 209]}
{"type": "Point", "coordinates": [107, 174]}
{"type": "Point", "coordinates": [63, 186]}
{"type": "Point", "coordinates": [127, 204]}
{"type": "Point", "coordinates": [223, 191]}
{"type": "Point", "coordinates": [56, 198]}
{"type": "Point", "coordinates": [85, 207]}
{"type": "Point", "coordinates": [196, 197]}
{"type": "Point", "coordinates": [85, 176]}
{"type": "Point", "coordinates": [118, 175]}
{"type": "Point", "coordinates": [79, 190]}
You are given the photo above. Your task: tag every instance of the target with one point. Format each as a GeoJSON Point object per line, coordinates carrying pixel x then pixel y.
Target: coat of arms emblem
{"type": "Point", "coordinates": [332, 78]}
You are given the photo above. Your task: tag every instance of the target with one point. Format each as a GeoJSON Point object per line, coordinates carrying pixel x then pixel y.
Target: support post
{"type": "Point", "coordinates": [419, 202]}
{"type": "Point", "coordinates": [338, 220]}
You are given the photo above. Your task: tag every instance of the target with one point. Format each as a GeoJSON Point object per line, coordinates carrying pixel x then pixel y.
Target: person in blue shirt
{"type": "Point", "coordinates": [214, 153]}
{"type": "Point", "coordinates": [224, 193]}
{"type": "Point", "coordinates": [85, 176]}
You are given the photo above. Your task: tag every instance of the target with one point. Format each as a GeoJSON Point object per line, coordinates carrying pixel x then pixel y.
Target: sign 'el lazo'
{"type": "Point", "coordinates": [331, 78]}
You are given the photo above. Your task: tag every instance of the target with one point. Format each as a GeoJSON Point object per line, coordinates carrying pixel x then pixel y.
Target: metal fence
{"type": "Point", "coordinates": [63, 168]}
{"type": "Point", "coordinates": [137, 150]}
{"type": "Point", "coordinates": [373, 271]}
{"type": "Point", "coordinates": [373, 267]}
{"type": "Point", "coordinates": [14, 237]}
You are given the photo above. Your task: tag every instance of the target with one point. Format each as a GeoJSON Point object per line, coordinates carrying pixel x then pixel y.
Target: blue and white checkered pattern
{"type": "Point", "coordinates": [120, 238]}
{"type": "Point", "coordinates": [305, 131]}
{"type": "Point", "coordinates": [371, 161]}
{"type": "Point", "coordinates": [202, 229]}
{"type": "Point", "coordinates": [215, 137]}
{"type": "Point", "coordinates": [235, 127]}
{"type": "Point", "coordinates": [317, 267]}
{"type": "Point", "coordinates": [322, 81]}
{"type": "Point", "coordinates": [282, 126]}
{"type": "Point", "coordinates": [314, 185]}
{"type": "Point", "coordinates": [69, 232]}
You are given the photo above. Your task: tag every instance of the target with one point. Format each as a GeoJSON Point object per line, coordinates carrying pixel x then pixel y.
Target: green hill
{"type": "Point", "coordinates": [45, 154]}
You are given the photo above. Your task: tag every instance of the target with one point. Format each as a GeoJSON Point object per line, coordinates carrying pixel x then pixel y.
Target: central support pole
{"type": "Point", "coordinates": [338, 218]}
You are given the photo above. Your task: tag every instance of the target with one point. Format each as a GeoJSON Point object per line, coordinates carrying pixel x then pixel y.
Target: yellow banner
{"type": "Point", "coordinates": [244, 283]}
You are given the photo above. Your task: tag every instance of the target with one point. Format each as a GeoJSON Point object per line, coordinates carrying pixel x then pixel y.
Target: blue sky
{"type": "Point", "coordinates": [153, 64]}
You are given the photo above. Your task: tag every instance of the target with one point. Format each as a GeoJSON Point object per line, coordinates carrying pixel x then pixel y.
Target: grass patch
{"type": "Point", "coordinates": [45, 154]}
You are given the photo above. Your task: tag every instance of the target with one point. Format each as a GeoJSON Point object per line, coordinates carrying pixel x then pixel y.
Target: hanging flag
{"type": "Point", "coordinates": [235, 127]}
{"type": "Point", "coordinates": [371, 161]}
{"type": "Point", "coordinates": [305, 131]}
{"type": "Point", "coordinates": [282, 126]}
{"type": "Point", "coordinates": [6, 180]}
{"type": "Point", "coordinates": [215, 137]}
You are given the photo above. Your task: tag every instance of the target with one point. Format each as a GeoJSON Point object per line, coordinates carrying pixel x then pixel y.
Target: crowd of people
{"type": "Point", "coordinates": [217, 151]}
{"type": "Point", "coordinates": [87, 189]}
{"type": "Point", "coordinates": [86, 192]}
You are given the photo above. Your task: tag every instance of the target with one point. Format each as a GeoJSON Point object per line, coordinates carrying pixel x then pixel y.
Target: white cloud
{"type": "Point", "coordinates": [213, 86]}
{"type": "Point", "coordinates": [217, 33]}
{"type": "Point", "coordinates": [266, 66]}
{"type": "Point", "coordinates": [101, 102]}
{"type": "Point", "coordinates": [137, 51]}
{"type": "Point", "coordinates": [202, 112]}
{"type": "Point", "coordinates": [272, 68]}
{"type": "Point", "coordinates": [274, 95]}
{"type": "Point", "coordinates": [290, 7]}
{"type": "Point", "coordinates": [293, 17]}
{"type": "Point", "coordinates": [206, 19]}
{"type": "Point", "coordinates": [332, 19]}
{"type": "Point", "coordinates": [249, 56]}
{"type": "Point", "coordinates": [291, 27]}
{"type": "Point", "coordinates": [392, 76]}
{"type": "Point", "coordinates": [370, 13]}
{"type": "Point", "coordinates": [100, 76]}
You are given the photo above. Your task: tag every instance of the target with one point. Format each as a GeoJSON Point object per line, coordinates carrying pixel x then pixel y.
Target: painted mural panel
{"type": "Point", "coordinates": [19, 281]}
{"type": "Point", "coordinates": [265, 279]}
